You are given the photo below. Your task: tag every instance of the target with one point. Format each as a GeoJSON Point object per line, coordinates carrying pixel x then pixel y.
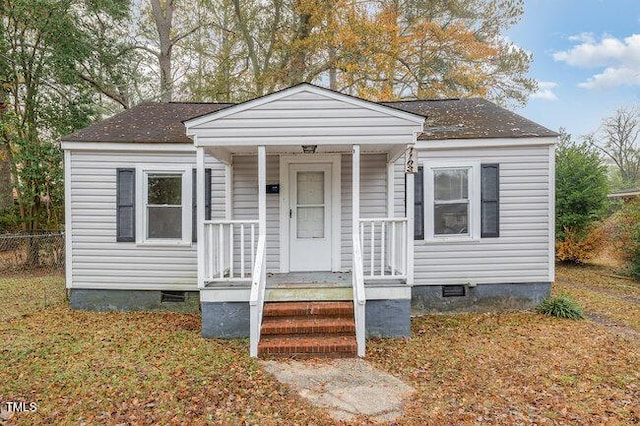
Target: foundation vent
{"type": "Point", "coordinates": [453, 290]}
{"type": "Point", "coordinates": [173, 296]}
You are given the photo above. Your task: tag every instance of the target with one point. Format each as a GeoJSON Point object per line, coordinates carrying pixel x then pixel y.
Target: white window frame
{"type": "Point", "coordinates": [474, 224]}
{"type": "Point", "coordinates": [142, 192]}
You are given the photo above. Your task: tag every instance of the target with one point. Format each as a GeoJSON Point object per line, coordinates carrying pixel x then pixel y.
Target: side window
{"type": "Point", "coordinates": [164, 206]}
{"type": "Point", "coordinates": [451, 206]}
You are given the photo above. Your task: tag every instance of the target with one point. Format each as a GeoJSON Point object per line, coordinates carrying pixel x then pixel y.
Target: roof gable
{"type": "Point", "coordinates": [304, 91]}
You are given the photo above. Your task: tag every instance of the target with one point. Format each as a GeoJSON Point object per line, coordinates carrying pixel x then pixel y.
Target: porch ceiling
{"type": "Point", "coordinates": [225, 153]}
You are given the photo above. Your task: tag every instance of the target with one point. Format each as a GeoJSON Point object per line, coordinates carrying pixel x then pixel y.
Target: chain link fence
{"type": "Point", "coordinates": [31, 272]}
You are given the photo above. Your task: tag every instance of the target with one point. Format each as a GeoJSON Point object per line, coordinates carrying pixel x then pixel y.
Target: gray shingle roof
{"type": "Point", "coordinates": [473, 118]}
{"type": "Point", "coordinates": [149, 122]}
{"type": "Point", "coordinates": [446, 119]}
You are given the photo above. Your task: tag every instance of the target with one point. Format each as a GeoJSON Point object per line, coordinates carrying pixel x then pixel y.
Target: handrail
{"type": "Point", "coordinates": [256, 299]}
{"type": "Point", "coordinates": [359, 297]}
{"type": "Point", "coordinates": [384, 219]}
{"type": "Point", "coordinates": [230, 222]}
{"type": "Point", "coordinates": [385, 242]}
{"type": "Point", "coordinates": [229, 249]}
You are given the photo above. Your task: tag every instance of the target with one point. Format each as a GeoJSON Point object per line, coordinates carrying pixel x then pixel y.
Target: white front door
{"type": "Point", "coordinates": [310, 217]}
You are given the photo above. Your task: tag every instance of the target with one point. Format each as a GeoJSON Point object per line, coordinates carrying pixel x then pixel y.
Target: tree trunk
{"type": "Point", "coordinates": [6, 193]}
{"type": "Point", "coordinates": [333, 72]}
{"type": "Point", "coordinates": [163, 18]}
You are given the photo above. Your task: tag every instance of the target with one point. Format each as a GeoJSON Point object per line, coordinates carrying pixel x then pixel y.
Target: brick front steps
{"type": "Point", "coordinates": [308, 329]}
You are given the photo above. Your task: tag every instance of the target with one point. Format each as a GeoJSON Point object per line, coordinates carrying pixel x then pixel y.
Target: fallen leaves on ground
{"type": "Point", "coordinates": [154, 368]}
{"type": "Point", "coordinates": [601, 292]}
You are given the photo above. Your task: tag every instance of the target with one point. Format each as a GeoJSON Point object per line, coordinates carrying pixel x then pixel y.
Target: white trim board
{"type": "Point", "coordinates": [68, 227]}
{"type": "Point", "coordinates": [128, 146]}
{"type": "Point", "coordinates": [336, 174]}
{"type": "Point", "coordinates": [484, 143]}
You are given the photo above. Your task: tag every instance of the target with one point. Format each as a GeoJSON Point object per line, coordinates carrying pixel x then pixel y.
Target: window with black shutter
{"type": "Point", "coordinates": [490, 201]}
{"type": "Point", "coordinates": [126, 205]}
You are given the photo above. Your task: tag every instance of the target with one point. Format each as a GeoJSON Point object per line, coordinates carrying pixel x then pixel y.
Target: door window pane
{"type": "Point", "coordinates": [310, 222]}
{"type": "Point", "coordinates": [310, 188]}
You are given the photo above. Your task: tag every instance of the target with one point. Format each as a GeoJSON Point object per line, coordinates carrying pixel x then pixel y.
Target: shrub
{"type": "Point", "coordinates": [580, 249]}
{"type": "Point", "coordinates": [628, 236]}
{"type": "Point", "coordinates": [561, 307]}
{"type": "Point", "coordinates": [581, 188]}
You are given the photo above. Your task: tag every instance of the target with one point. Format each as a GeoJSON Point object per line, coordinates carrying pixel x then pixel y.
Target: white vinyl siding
{"type": "Point", "coordinates": [311, 117]}
{"type": "Point", "coordinates": [98, 261]}
{"type": "Point", "coordinates": [521, 253]}
{"type": "Point", "coordinates": [245, 199]}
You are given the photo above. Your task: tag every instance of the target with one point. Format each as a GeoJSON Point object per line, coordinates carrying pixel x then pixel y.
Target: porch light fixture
{"type": "Point", "coordinates": [309, 149]}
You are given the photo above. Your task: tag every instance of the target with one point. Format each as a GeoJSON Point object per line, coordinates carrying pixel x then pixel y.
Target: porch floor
{"type": "Point", "coordinates": [319, 279]}
{"type": "Point", "coordinates": [297, 279]}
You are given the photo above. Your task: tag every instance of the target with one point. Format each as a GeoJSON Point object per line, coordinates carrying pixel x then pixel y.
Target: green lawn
{"type": "Point", "coordinates": [144, 368]}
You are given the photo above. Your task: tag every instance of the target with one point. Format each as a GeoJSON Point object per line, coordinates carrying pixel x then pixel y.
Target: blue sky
{"type": "Point", "coordinates": [586, 59]}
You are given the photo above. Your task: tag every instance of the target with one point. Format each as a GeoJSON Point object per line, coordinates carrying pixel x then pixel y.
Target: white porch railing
{"type": "Point", "coordinates": [384, 246]}
{"type": "Point", "coordinates": [359, 298]}
{"type": "Point", "coordinates": [230, 249]}
{"type": "Point", "coordinates": [256, 299]}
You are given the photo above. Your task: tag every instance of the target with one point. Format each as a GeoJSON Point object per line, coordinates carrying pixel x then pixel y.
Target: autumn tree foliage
{"type": "Point", "coordinates": [231, 50]}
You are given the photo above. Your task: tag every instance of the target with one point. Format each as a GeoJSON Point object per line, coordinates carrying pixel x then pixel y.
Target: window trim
{"type": "Point", "coordinates": [143, 172]}
{"type": "Point", "coordinates": [474, 186]}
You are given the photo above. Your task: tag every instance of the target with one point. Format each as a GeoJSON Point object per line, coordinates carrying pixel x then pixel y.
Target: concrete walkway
{"type": "Point", "coordinates": [345, 387]}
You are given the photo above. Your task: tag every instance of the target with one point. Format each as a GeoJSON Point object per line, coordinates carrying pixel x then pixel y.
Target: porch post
{"type": "Point", "coordinates": [200, 214]}
{"type": "Point", "coordinates": [390, 188]}
{"type": "Point", "coordinates": [355, 189]}
{"type": "Point", "coordinates": [262, 190]}
{"type": "Point", "coordinates": [410, 219]}
{"type": "Point", "coordinates": [228, 191]}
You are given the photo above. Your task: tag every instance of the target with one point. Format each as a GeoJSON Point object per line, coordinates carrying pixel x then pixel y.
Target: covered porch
{"type": "Point", "coordinates": [310, 200]}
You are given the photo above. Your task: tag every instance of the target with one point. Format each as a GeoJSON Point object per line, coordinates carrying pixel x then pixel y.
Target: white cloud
{"type": "Point", "coordinates": [612, 77]}
{"type": "Point", "coordinates": [583, 38]}
{"type": "Point", "coordinates": [618, 58]}
{"type": "Point", "coordinates": [545, 91]}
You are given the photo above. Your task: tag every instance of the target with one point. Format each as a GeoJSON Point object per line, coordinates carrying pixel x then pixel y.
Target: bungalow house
{"type": "Point", "coordinates": [307, 219]}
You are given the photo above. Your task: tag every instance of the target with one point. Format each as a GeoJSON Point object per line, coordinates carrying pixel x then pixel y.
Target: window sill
{"type": "Point", "coordinates": [164, 243]}
{"type": "Point", "coordinates": [450, 240]}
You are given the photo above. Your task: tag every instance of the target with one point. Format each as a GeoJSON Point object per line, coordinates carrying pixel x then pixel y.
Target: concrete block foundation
{"type": "Point", "coordinates": [481, 298]}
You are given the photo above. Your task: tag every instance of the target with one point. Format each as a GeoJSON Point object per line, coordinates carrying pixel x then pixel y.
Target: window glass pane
{"type": "Point", "coordinates": [451, 184]}
{"type": "Point", "coordinates": [164, 222]}
{"type": "Point", "coordinates": [451, 219]}
{"type": "Point", "coordinates": [310, 222]}
{"type": "Point", "coordinates": [310, 188]}
{"type": "Point", "coordinates": [165, 189]}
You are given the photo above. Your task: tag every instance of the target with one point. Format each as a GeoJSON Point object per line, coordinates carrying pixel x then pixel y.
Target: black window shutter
{"type": "Point", "coordinates": [418, 218]}
{"type": "Point", "coordinates": [490, 201]}
{"type": "Point", "coordinates": [126, 205]}
{"type": "Point", "coordinates": [207, 194]}
{"type": "Point", "coordinates": [418, 204]}
{"type": "Point", "coordinates": [194, 201]}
